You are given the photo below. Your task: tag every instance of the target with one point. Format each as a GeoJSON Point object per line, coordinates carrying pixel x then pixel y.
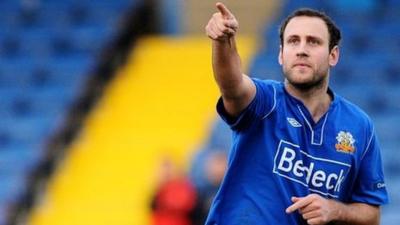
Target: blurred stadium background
{"type": "Point", "coordinates": [96, 95]}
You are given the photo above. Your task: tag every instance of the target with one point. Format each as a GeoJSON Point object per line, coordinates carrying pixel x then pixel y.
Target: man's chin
{"type": "Point", "coordinates": [302, 85]}
{"type": "Point", "coordinates": [306, 85]}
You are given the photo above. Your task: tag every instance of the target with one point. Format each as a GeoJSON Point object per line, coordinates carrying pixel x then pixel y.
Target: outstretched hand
{"type": "Point", "coordinates": [222, 24]}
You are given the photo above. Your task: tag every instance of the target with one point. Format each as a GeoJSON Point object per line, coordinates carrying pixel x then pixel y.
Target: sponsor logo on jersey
{"type": "Point", "coordinates": [293, 122]}
{"type": "Point", "coordinates": [319, 175]}
{"type": "Point", "coordinates": [345, 142]}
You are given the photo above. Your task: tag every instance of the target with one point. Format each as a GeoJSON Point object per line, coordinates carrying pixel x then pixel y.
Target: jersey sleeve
{"type": "Point", "coordinates": [370, 186]}
{"type": "Point", "coordinates": [261, 106]}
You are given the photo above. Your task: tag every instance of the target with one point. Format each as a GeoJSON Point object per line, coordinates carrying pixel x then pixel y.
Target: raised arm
{"type": "Point", "coordinates": [236, 88]}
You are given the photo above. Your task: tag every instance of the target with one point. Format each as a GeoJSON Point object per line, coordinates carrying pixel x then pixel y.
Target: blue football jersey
{"type": "Point", "coordinates": [278, 152]}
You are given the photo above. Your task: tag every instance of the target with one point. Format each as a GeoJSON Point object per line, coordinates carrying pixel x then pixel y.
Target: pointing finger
{"type": "Point", "coordinates": [224, 11]}
{"type": "Point", "coordinates": [295, 199]}
{"type": "Point", "coordinates": [300, 203]}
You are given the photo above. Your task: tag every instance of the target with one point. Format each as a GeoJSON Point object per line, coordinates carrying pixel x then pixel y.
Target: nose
{"type": "Point", "coordinates": [302, 50]}
{"type": "Point", "coordinates": [301, 54]}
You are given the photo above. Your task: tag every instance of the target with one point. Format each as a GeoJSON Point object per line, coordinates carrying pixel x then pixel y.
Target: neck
{"type": "Point", "coordinates": [315, 99]}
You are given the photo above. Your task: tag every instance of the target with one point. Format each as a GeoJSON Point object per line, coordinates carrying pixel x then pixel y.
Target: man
{"type": "Point", "coordinates": [301, 154]}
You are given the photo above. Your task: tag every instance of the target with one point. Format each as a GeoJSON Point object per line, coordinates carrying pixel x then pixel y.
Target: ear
{"type": "Point", "coordinates": [280, 55]}
{"type": "Point", "coordinates": [334, 56]}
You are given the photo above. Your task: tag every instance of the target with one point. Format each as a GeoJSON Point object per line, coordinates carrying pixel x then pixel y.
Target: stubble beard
{"type": "Point", "coordinates": [317, 81]}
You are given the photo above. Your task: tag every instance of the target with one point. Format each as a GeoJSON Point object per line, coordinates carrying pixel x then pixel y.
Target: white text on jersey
{"type": "Point", "coordinates": [320, 175]}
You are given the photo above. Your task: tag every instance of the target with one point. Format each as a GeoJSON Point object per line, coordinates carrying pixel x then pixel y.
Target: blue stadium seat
{"type": "Point", "coordinates": [19, 160]}
{"type": "Point", "coordinates": [11, 189]}
{"type": "Point", "coordinates": [9, 44]}
{"type": "Point", "coordinates": [266, 66]}
{"type": "Point", "coordinates": [293, 5]}
{"type": "Point", "coordinates": [221, 136]}
{"type": "Point", "coordinates": [3, 214]}
{"type": "Point", "coordinates": [390, 213]}
{"type": "Point", "coordinates": [47, 51]}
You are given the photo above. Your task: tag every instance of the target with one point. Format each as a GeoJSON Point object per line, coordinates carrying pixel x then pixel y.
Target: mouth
{"type": "Point", "coordinates": [302, 65]}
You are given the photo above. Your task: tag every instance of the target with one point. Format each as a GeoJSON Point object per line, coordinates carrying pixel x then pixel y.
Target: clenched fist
{"type": "Point", "coordinates": [222, 24]}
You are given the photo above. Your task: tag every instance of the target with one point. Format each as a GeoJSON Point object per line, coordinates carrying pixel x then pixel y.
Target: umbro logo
{"type": "Point", "coordinates": [293, 122]}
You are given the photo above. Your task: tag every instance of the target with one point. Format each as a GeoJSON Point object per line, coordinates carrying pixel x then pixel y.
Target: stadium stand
{"type": "Point", "coordinates": [56, 56]}
{"type": "Point", "coordinates": [149, 111]}
{"type": "Point", "coordinates": [53, 65]}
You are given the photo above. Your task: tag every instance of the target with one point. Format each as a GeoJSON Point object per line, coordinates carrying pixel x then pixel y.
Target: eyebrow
{"type": "Point", "coordinates": [308, 37]}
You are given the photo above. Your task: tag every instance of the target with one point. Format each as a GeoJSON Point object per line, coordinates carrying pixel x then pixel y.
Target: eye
{"type": "Point", "coordinates": [293, 41]}
{"type": "Point", "coordinates": [314, 41]}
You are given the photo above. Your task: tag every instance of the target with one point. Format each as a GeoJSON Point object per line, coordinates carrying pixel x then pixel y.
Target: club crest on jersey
{"type": "Point", "coordinates": [345, 142]}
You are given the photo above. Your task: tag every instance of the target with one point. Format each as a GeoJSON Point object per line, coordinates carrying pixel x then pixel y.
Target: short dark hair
{"type": "Point", "coordinates": [334, 32]}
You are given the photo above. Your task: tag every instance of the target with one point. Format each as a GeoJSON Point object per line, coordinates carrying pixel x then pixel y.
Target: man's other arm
{"type": "Point", "coordinates": [317, 210]}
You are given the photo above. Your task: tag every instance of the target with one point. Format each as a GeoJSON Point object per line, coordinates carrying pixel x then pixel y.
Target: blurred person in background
{"type": "Point", "coordinates": [175, 198]}
{"type": "Point", "coordinates": [214, 168]}
{"type": "Point", "coordinates": [301, 154]}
